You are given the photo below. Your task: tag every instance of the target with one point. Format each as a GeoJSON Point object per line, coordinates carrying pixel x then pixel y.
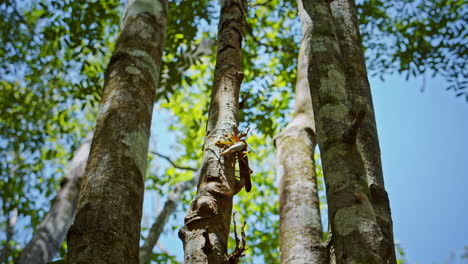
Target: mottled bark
{"type": "Point", "coordinates": [52, 231]}
{"type": "Point", "coordinates": [300, 221]}
{"type": "Point", "coordinates": [168, 209]}
{"type": "Point", "coordinates": [356, 235]}
{"type": "Point", "coordinates": [206, 230]}
{"type": "Point", "coordinates": [107, 223]}
{"type": "Point", "coordinates": [357, 85]}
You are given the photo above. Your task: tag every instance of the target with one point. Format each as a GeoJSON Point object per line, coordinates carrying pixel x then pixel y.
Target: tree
{"type": "Point", "coordinates": [107, 223]}
{"type": "Point", "coordinates": [300, 221]}
{"type": "Point", "coordinates": [45, 56]}
{"type": "Point", "coordinates": [352, 217]}
{"type": "Point", "coordinates": [206, 229]}
{"type": "Point", "coordinates": [52, 231]}
{"type": "Point", "coordinates": [358, 88]}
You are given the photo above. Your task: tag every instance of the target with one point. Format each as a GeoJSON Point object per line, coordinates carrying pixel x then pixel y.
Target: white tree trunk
{"type": "Point", "coordinates": [51, 233]}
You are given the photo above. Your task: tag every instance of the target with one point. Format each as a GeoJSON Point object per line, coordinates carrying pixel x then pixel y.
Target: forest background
{"type": "Point", "coordinates": [52, 58]}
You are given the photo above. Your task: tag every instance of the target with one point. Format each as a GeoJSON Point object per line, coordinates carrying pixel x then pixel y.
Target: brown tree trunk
{"type": "Point", "coordinates": [206, 230]}
{"type": "Point", "coordinates": [52, 231]}
{"type": "Point", "coordinates": [107, 223]}
{"type": "Point", "coordinates": [356, 235]}
{"type": "Point", "coordinates": [357, 85]}
{"type": "Point", "coordinates": [300, 221]}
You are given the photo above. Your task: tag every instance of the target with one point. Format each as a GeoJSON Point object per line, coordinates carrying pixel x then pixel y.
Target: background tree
{"type": "Point", "coordinates": [301, 232]}
{"type": "Point", "coordinates": [51, 233]}
{"type": "Point", "coordinates": [351, 215]}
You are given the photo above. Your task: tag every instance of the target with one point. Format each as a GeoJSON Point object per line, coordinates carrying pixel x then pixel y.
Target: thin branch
{"type": "Point", "coordinates": [173, 163]}
{"type": "Point", "coordinates": [269, 47]}
{"type": "Point", "coordinates": [234, 257]}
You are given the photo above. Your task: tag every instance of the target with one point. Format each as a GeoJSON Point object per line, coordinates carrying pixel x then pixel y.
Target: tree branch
{"type": "Point", "coordinates": [175, 165]}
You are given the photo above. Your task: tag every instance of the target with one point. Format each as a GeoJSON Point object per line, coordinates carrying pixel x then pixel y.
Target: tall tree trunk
{"type": "Point", "coordinates": [300, 221]}
{"type": "Point", "coordinates": [107, 223]}
{"type": "Point", "coordinates": [357, 85]}
{"type": "Point", "coordinates": [206, 230]}
{"type": "Point", "coordinates": [52, 231]}
{"type": "Point", "coordinates": [356, 235]}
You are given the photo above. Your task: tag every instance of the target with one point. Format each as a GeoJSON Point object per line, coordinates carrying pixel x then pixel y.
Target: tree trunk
{"type": "Point", "coordinates": [300, 221]}
{"type": "Point", "coordinates": [11, 218]}
{"type": "Point", "coordinates": [9, 210]}
{"type": "Point", "coordinates": [356, 235]}
{"type": "Point", "coordinates": [107, 224]}
{"type": "Point", "coordinates": [168, 209]}
{"type": "Point", "coordinates": [51, 232]}
{"type": "Point", "coordinates": [206, 230]}
{"type": "Point", "coordinates": [357, 85]}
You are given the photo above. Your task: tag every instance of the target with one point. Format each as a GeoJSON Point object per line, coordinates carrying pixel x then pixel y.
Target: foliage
{"type": "Point", "coordinates": [417, 38]}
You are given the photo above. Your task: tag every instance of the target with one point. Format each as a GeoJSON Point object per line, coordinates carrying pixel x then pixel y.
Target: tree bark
{"type": "Point", "coordinates": [206, 230]}
{"type": "Point", "coordinates": [356, 235]}
{"type": "Point", "coordinates": [107, 223]}
{"type": "Point", "coordinates": [52, 231]}
{"type": "Point", "coordinates": [300, 221]}
{"type": "Point", "coordinates": [357, 85]}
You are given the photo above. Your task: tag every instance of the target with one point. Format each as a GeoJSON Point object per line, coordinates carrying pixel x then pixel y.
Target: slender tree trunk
{"type": "Point", "coordinates": [356, 235]}
{"type": "Point", "coordinates": [52, 231]}
{"type": "Point", "coordinates": [9, 209]}
{"type": "Point", "coordinates": [357, 85]}
{"type": "Point", "coordinates": [168, 209]}
{"type": "Point", "coordinates": [11, 218]}
{"type": "Point", "coordinates": [206, 230]}
{"type": "Point", "coordinates": [300, 221]}
{"type": "Point", "coordinates": [107, 223]}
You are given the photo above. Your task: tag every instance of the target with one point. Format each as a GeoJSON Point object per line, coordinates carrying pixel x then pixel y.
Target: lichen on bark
{"type": "Point", "coordinates": [356, 236]}
{"type": "Point", "coordinates": [347, 25]}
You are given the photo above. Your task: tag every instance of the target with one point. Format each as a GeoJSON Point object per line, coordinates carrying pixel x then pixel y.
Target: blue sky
{"type": "Point", "coordinates": [423, 139]}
